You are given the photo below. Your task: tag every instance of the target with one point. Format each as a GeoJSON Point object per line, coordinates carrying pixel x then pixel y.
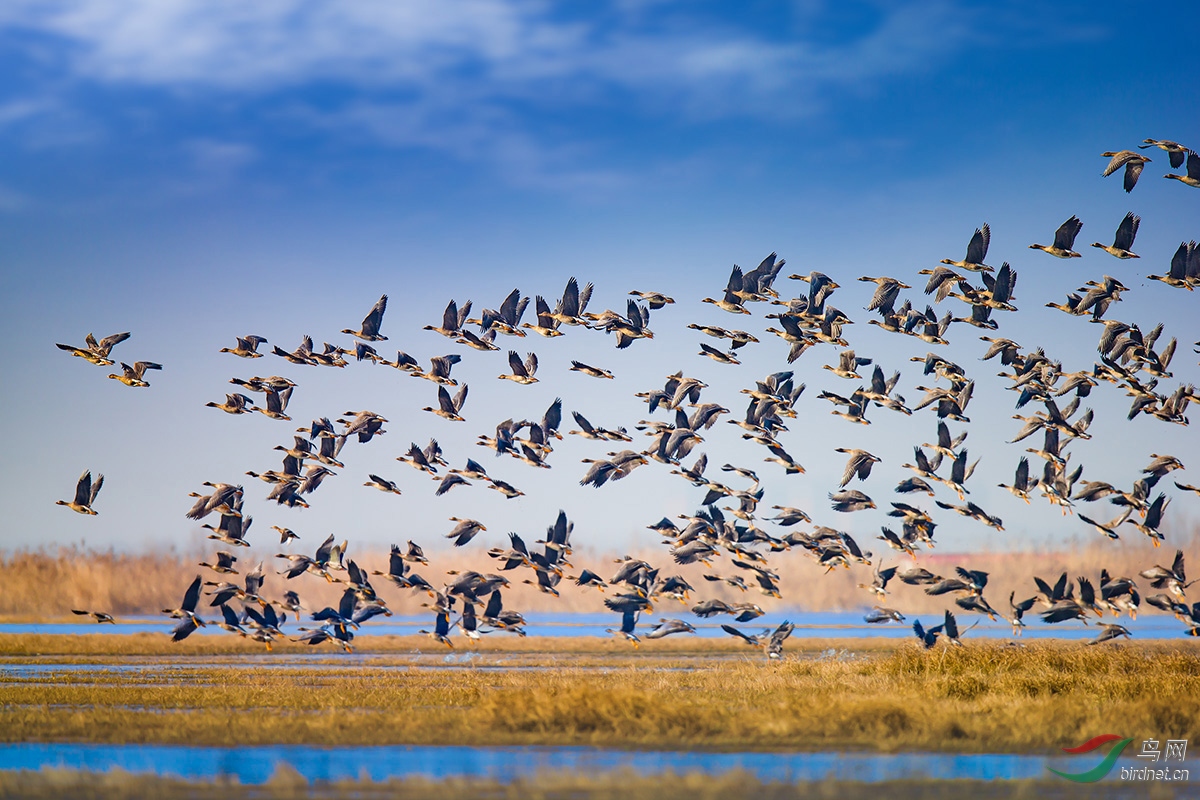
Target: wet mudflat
{"type": "Point", "coordinates": [827, 695]}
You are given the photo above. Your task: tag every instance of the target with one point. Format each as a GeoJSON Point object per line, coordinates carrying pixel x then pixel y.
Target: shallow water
{"type": "Point", "coordinates": [254, 765]}
{"type": "Point", "coordinates": [808, 626]}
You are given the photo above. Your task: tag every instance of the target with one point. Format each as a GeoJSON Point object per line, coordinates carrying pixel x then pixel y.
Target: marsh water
{"type": "Point", "coordinates": [808, 625]}
{"type": "Point", "coordinates": [254, 765]}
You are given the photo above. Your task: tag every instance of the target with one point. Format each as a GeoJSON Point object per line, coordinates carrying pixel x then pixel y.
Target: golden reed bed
{"type": "Point", "coordinates": [47, 584]}
{"type": "Point", "coordinates": [984, 697]}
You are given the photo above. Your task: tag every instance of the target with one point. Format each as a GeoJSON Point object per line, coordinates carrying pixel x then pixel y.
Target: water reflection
{"type": "Point", "coordinates": [254, 765]}
{"type": "Point", "coordinates": [808, 626]}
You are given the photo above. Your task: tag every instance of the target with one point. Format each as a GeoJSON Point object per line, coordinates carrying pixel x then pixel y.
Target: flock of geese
{"type": "Point", "coordinates": [728, 540]}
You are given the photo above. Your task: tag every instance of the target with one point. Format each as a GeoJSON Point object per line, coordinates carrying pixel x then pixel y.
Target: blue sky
{"type": "Point", "coordinates": [195, 171]}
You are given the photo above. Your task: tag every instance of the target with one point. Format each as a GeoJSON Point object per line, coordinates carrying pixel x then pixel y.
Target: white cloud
{"type": "Point", "coordinates": [511, 47]}
{"type": "Point", "coordinates": [468, 78]}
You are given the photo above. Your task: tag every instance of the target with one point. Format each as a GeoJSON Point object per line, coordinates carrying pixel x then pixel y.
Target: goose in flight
{"type": "Point", "coordinates": [484, 342]}
{"type": "Point", "coordinates": [879, 615]}
{"type": "Point", "coordinates": [658, 300]}
{"type": "Point", "coordinates": [225, 562]}
{"type": "Point", "coordinates": [1154, 515]}
{"type": "Point", "coordinates": [848, 362]}
{"type": "Point", "coordinates": [1131, 161]}
{"type": "Point", "coordinates": [453, 319]}
{"type": "Point", "coordinates": [465, 530]}
{"type": "Point", "coordinates": [976, 252]}
{"type": "Point", "coordinates": [187, 609]}
{"type": "Point", "coordinates": [717, 355]}
{"type": "Point", "coordinates": [441, 629]}
{"type": "Point", "coordinates": [1123, 240]}
{"type": "Point", "coordinates": [449, 407]}
{"type": "Point", "coordinates": [133, 375]}
{"type": "Point", "coordinates": [382, 484]}
{"type": "Point", "coordinates": [417, 458]}
{"type": "Point", "coordinates": [572, 306]}
{"type": "Point", "coordinates": [1192, 178]}
{"type": "Point", "coordinates": [522, 373]}
{"type": "Point", "coordinates": [93, 351]}
{"type": "Point", "coordinates": [439, 370]}
{"type": "Point", "coordinates": [629, 618]}
{"type": "Point", "coordinates": [1174, 150]}
{"type": "Point", "coordinates": [927, 637]}
{"type": "Point", "coordinates": [99, 616]}
{"type": "Point", "coordinates": [547, 323]}
{"type": "Point", "coordinates": [508, 319]}
{"type": "Point", "coordinates": [85, 494]}
{"type": "Point", "coordinates": [235, 403]}
{"type": "Point", "coordinates": [860, 464]}
{"type": "Point", "coordinates": [666, 627]}
{"type": "Point", "coordinates": [1021, 483]}
{"type": "Point", "coordinates": [850, 500]}
{"type": "Point", "coordinates": [1064, 240]}
{"type": "Point", "coordinates": [274, 383]}
{"type": "Point", "coordinates": [286, 534]}
{"type": "Point", "coordinates": [595, 372]}
{"type": "Point", "coordinates": [1173, 579]}
{"type": "Point", "coordinates": [1110, 632]}
{"type": "Point", "coordinates": [247, 347]}
{"type": "Point", "coordinates": [231, 530]}
{"type": "Point", "coordinates": [277, 403]}
{"type": "Point", "coordinates": [371, 323]}
{"type": "Point", "coordinates": [731, 301]}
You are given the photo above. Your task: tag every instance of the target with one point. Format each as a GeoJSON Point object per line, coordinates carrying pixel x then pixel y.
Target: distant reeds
{"type": "Point", "coordinates": [49, 583]}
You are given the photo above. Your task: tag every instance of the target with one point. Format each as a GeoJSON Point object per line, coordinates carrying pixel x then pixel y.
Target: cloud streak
{"type": "Point", "coordinates": [475, 80]}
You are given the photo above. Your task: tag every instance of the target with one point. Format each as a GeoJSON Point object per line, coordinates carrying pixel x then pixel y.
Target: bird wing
{"type": "Point", "coordinates": [978, 246]}
{"type": "Point", "coordinates": [83, 489]}
{"type": "Point", "coordinates": [191, 596]}
{"type": "Point", "coordinates": [515, 364]}
{"type": "Point", "coordinates": [108, 342]}
{"type": "Point", "coordinates": [370, 323]}
{"type": "Point", "coordinates": [1064, 237]}
{"type": "Point", "coordinates": [450, 317]}
{"type": "Point", "coordinates": [460, 397]}
{"type": "Point", "coordinates": [1126, 231]}
{"type": "Point", "coordinates": [569, 304]}
{"type": "Point", "coordinates": [446, 404]}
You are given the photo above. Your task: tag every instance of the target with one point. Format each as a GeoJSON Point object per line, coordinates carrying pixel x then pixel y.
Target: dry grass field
{"type": "Point", "coordinates": [985, 697]}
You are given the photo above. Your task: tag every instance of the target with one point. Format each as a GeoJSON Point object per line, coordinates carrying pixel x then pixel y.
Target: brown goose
{"type": "Point", "coordinates": [1064, 240]}
{"type": "Point", "coordinates": [1131, 161]}
{"type": "Point", "coordinates": [1174, 150]}
{"type": "Point", "coordinates": [85, 494]}
{"type": "Point", "coordinates": [133, 375]}
{"type": "Point", "coordinates": [370, 324]}
{"type": "Point", "coordinates": [93, 351]}
{"type": "Point", "coordinates": [1193, 172]}
{"type": "Point", "coordinates": [976, 252]}
{"type": "Point", "coordinates": [247, 347]}
{"type": "Point", "coordinates": [1123, 240]}
{"type": "Point", "coordinates": [522, 373]}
